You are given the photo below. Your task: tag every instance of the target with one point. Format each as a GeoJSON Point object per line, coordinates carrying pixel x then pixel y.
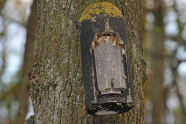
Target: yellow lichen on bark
{"type": "Point", "coordinates": [105, 8]}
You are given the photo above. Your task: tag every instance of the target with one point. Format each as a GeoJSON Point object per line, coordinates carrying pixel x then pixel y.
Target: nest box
{"type": "Point", "coordinates": [105, 60]}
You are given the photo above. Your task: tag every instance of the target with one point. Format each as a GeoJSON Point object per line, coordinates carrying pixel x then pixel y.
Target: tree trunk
{"type": "Point", "coordinates": [157, 64]}
{"type": "Point", "coordinates": [28, 63]}
{"type": "Point", "coordinates": [57, 90]}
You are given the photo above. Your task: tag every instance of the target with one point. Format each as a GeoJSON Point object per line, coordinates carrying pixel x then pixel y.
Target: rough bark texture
{"type": "Point", "coordinates": [57, 90]}
{"type": "Point", "coordinates": [28, 63]}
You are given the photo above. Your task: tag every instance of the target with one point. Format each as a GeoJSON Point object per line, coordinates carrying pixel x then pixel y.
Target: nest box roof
{"type": "Point", "coordinates": [104, 8]}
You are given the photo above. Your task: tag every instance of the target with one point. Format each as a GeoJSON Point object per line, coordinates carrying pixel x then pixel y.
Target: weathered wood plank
{"type": "Point", "coordinates": [109, 67]}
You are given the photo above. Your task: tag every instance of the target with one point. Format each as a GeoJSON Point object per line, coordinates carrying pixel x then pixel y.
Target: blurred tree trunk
{"type": "Point", "coordinates": [157, 63]}
{"type": "Point", "coordinates": [57, 90]}
{"type": "Point", "coordinates": [28, 63]}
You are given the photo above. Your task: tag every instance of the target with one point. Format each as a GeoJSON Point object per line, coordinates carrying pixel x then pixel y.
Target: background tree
{"type": "Point", "coordinates": [156, 59]}
{"type": "Point", "coordinates": [164, 37]}
{"type": "Point", "coordinates": [28, 63]}
{"type": "Point", "coordinates": [57, 90]}
{"type": "Point", "coordinates": [14, 86]}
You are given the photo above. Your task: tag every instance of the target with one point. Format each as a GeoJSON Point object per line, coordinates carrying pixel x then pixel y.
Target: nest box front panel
{"type": "Point", "coordinates": [105, 60]}
{"type": "Point", "coordinates": [109, 65]}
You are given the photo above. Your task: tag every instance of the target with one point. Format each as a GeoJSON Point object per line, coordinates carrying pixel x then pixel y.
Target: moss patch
{"type": "Point", "coordinates": [105, 8]}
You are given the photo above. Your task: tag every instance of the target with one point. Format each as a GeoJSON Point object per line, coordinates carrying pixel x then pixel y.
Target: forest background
{"type": "Point", "coordinates": [164, 45]}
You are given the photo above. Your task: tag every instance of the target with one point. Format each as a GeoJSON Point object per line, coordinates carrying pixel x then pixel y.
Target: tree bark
{"type": "Point", "coordinates": [57, 90]}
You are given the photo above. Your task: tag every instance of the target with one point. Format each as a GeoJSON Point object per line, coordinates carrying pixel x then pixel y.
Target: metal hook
{"type": "Point", "coordinates": [75, 22]}
{"type": "Point", "coordinates": [121, 8]}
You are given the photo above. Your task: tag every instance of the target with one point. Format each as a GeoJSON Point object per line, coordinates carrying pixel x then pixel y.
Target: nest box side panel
{"type": "Point", "coordinates": [86, 36]}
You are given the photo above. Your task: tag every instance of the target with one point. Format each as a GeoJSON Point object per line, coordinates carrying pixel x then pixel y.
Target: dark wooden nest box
{"type": "Point", "coordinates": [105, 60]}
